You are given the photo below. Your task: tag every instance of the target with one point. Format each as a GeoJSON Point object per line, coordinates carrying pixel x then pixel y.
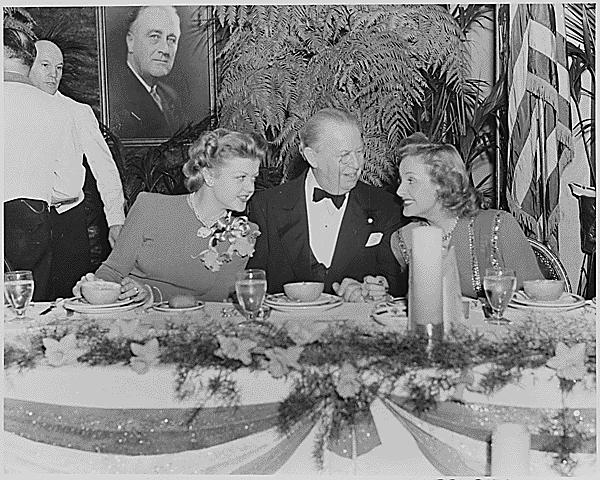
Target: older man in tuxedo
{"type": "Point", "coordinates": [327, 225]}
{"type": "Point", "coordinates": [141, 104]}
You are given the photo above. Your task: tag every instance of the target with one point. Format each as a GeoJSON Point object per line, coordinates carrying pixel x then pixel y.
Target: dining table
{"type": "Point", "coordinates": [108, 418]}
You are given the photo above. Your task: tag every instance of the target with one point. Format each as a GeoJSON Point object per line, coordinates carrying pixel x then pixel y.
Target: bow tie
{"type": "Point", "coordinates": [319, 194]}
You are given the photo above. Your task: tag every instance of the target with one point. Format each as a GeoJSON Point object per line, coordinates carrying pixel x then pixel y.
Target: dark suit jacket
{"type": "Point", "coordinates": [134, 113]}
{"type": "Point", "coordinates": [283, 248]}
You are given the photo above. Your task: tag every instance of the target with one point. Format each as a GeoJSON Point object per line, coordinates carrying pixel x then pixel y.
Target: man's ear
{"type": "Point", "coordinates": [129, 39]}
{"type": "Point", "coordinates": [310, 155]}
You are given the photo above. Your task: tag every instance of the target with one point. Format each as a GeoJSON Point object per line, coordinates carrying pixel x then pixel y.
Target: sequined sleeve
{"type": "Point", "coordinates": [494, 240]}
{"type": "Point", "coordinates": [399, 248]}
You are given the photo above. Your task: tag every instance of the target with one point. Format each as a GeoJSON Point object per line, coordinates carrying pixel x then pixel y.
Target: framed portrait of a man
{"type": "Point", "coordinates": [156, 70]}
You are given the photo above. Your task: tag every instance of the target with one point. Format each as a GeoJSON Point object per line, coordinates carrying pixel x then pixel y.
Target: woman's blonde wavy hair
{"type": "Point", "coordinates": [447, 170]}
{"type": "Point", "coordinates": [213, 148]}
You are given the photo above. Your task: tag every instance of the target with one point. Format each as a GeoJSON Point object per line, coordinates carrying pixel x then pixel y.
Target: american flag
{"type": "Point", "coordinates": [539, 118]}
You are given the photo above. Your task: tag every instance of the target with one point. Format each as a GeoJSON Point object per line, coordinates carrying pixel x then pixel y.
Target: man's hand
{"type": "Point", "coordinates": [113, 234]}
{"type": "Point", "coordinates": [350, 290]}
{"type": "Point", "coordinates": [374, 289]}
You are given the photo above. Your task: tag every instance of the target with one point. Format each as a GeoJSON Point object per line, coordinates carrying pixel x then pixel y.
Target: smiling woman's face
{"type": "Point", "coordinates": [419, 193]}
{"type": "Point", "coordinates": [234, 182]}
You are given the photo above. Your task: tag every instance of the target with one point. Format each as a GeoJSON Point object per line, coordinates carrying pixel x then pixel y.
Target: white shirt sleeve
{"type": "Point", "coordinates": [69, 173]}
{"type": "Point", "coordinates": [102, 165]}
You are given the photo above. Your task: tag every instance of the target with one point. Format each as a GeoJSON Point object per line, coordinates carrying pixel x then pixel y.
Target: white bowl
{"type": "Point", "coordinates": [544, 290]}
{"type": "Point", "coordinates": [100, 292]}
{"type": "Point", "coordinates": [304, 291]}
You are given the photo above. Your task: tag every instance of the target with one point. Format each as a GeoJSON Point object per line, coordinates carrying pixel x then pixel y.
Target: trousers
{"type": "Point", "coordinates": [28, 241]}
{"type": "Point", "coordinates": [70, 250]}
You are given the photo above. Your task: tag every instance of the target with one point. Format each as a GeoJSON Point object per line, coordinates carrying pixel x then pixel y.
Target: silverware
{"type": "Point", "coordinates": [52, 306]}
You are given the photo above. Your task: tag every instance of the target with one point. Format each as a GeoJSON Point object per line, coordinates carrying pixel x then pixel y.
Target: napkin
{"type": "Point", "coordinates": [452, 306]}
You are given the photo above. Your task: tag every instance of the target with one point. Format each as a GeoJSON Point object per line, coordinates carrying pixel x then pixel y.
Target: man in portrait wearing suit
{"type": "Point", "coordinates": [327, 225]}
{"type": "Point", "coordinates": [141, 104]}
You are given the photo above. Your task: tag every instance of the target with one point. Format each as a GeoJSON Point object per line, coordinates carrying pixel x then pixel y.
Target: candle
{"type": "Point", "coordinates": [510, 450]}
{"type": "Point", "coordinates": [452, 296]}
{"type": "Point", "coordinates": [425, 305]}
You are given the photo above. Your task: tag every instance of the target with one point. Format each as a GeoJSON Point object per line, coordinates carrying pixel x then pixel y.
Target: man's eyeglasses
{"type": "Point", "coordinates": [348, 157]}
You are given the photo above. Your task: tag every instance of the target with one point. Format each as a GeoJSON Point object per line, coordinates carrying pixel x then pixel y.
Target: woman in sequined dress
{"type": "Point", "coordinates": [436, 191]}
{"type": "Point", "coordinates": [165, 244]}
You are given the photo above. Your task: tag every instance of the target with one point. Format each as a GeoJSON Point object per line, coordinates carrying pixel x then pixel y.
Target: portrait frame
{"type": "Point", "coordinates": [192, 76]}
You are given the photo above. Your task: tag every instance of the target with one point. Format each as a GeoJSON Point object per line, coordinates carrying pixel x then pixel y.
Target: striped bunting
{"type": "Point", "coordinates": [539, 118]}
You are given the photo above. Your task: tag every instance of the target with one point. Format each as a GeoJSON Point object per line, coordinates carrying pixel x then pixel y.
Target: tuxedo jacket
{"type": "Point", "coordinates": [283, 248]}
{"type": "Point", "coordinates": [133, 111]}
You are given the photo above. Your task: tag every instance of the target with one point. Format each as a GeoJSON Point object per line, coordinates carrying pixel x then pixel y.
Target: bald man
{"type": "Point", "coordinates": [71, 247]}
{"type": "Point", "coordinates": [141, 103]}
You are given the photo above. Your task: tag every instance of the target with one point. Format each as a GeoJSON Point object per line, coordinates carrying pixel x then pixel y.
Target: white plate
{"type": "Point", "coordinates": [164, 307]}
{"type": "Point", "coordinates": [278, 299]}
{"type": "Point", "coordinates": [100, 309]}
{"type": "Point", "coordinates": [391, 314]}
{"type": "Point", "coordinates": [567, 301]}
{"type": "Point", "coordinates": [333, 302]}
{"type": "Point", "coordinates": [81, 304]}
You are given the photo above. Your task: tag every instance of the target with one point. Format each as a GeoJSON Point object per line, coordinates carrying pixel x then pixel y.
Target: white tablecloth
{"type": "Point", "coordinates": [399, 453]}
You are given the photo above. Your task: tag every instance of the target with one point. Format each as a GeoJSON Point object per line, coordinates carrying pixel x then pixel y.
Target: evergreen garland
{"type": "Point", "coordinates": [340, 373]}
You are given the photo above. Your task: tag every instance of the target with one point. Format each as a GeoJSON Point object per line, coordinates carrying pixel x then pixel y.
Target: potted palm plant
{"type": "Point", "coordinates": [399, 68]}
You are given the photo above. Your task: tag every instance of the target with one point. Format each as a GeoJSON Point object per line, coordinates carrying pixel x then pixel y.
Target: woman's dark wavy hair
{"type": "Point", "coordinates": [214, 147]}
{"type": "Point", "coordinates": [447, 170]}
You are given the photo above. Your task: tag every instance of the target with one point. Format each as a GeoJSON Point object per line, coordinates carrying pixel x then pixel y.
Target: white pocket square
{"type": "Point", "coordinates": [374, 239]}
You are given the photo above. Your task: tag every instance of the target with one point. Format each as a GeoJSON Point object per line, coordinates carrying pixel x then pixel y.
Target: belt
{"type": "Point", "coordinates": [67, 201]}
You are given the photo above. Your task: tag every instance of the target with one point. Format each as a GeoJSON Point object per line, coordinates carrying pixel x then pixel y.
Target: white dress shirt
{"type": "Point", "coordinates": [89, 141]}
{"type": "Point", "coordinates": [324, 222]}
{"type": "Point", "coordinates": [38, 161]}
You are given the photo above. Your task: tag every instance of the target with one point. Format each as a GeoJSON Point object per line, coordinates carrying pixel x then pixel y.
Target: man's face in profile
{"type": "Point", "coordinates": [152, 42]}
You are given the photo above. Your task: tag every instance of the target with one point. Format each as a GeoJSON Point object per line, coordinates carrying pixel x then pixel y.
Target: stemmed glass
{"type": "Point", "coordinates": [251, 288]}
{"type": "Point", "coordinates": [18, 291]}
{"type": "Point", "coordinates": [499, 285]}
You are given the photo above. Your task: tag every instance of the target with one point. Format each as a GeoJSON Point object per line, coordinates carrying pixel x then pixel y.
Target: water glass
{"type": "Point", "coordinates": [499, 285]}
{"type": "Point", "coordinates": [18, 291]}
{"type": "Point", "coordinates": [251, 288]}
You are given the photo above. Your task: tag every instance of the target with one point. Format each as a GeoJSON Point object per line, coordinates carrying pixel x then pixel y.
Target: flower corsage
{"type": "Point", "coordinates": [241, 237]}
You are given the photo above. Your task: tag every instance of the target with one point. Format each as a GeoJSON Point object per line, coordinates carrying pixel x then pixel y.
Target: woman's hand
{"type": "Point", "coordinates": [350, 290]}
{"type": "Point", "coordinates": [131, 288]}
{"type": "Point", "coordinates": [88, 277]}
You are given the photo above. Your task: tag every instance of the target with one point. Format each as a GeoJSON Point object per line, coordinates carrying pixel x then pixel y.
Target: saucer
{"type": "Point", "coordinates": [79, 306]}
{"type": "Point", "coordinates": [79, 303]}
{"type": "Point", "coordinates": [288, 306]}
{"type": "Point", "coordinates": [281, 299]}
{"type": "Point", "coordinates": [567, 301]}
{"type": "Point", "coordinates": [164, 307]}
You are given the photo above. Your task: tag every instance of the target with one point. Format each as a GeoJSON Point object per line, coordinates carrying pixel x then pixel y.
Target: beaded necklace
{"type": "Point", "coordinates": [207, 228]}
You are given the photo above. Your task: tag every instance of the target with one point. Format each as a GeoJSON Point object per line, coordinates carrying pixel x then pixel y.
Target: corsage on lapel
{"type": "Point", "coordinates": [240, 235]}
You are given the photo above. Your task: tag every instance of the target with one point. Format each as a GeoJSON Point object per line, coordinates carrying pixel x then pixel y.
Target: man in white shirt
{"type": "Point", "coordinates": [38, 165]}
{"type": "Point", "coordinates": [326, 225]}
{"type": "Point", "coordinates": [71, 247]}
